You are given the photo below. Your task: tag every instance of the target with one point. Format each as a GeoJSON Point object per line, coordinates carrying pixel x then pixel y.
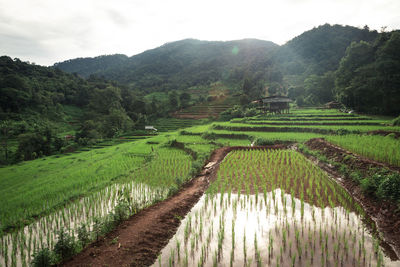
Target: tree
{"type": "Point", "coordinates": [184, 99]}
{"type": "Point", "coordinates": [247, 86]}
{"type": "Point", "coordinates": [173, 99]}
{"type": "Point", "coordinates": [320, 86]}
{"type": "Point", "coordinates": [6, 132]}
{"type": "Point", "coordinates": [368, 78]}
{"type": "Point", "coordinates": [388, 74]}
{"type": "Point", "coordinates": [274, 88]}
{"type": "Point", "coordinates": [350, 84]}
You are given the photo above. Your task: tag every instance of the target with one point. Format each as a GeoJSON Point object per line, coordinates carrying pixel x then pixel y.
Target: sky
{"type": "Point", "coordinates": [50, 31]}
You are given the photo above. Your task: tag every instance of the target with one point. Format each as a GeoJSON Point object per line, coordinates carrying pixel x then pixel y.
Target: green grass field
{"type": "Point", "coordinates": [380, 148]}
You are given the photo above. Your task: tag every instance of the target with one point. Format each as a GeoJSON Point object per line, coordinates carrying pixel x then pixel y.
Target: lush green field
{"type": "Point", "coordinates": [300, 128]}
{"type": "Point", "coordinates": [380, 148]}
{"type": "Point", "coordinates": [33, 188]}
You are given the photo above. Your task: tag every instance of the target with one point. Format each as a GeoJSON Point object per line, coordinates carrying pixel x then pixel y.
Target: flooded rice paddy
{"type": "Point", "coordinates": [274, 208]}
{"type": "Point", "coordinates": [16, 249]}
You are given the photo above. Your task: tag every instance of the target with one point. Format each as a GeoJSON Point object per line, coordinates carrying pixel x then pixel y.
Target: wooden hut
{"type": "Point", "coordinates": [275, 104]}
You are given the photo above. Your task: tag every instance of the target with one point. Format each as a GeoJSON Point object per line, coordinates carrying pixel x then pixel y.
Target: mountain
{"type": "Point", "coordinates": [182, 64]}
{"type": "Point", "coordinates": [24, 85]}
{"type": "Point", "coordinates": [320, 50]}
{"type": "Point", "coordinates": [88, 66]}
{"type": "Point", "coordinates": [177, 65]}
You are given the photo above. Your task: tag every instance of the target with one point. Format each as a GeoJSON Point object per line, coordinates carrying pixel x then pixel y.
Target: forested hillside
{"type": "Point", "coordinates": [319, 50]}
{"type": "Point", "coordinates": [182, 64]}
{"type": "Point", "coordinates": [304, 68]}
{"type": "Point", "coordinates": [39, 105]}
{"type": "Point", "coordinates": [97, 65]}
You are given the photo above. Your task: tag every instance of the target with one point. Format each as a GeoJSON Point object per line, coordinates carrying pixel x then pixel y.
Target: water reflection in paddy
{"type": "Point", "coordinates": [274, 229]}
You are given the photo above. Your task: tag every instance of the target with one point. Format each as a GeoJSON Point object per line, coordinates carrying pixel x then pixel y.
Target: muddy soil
{"type": "Point", "coordinates": [384, 213]}
{"type": "Point", "coordinates": [139, 240]}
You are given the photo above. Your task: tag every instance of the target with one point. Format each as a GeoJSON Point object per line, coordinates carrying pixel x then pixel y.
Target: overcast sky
{"type": "Point", "coordinates": [49, 31]}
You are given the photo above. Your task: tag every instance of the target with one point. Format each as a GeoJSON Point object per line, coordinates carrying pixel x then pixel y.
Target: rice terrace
{"type": "Point", "coordinates": [198, 153]}
{"type": "Point", "coordinates": [279, 198]}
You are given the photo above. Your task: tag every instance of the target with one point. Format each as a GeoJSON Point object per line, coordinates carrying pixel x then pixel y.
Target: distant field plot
{"type": "Point", "coordinates": [318, 122]}
{"type": "Point", "coordinates": [281, 136]}
{"type": "Point", "coordinates": [301, 128]}
{"type": "Point", "coordinates": [380, 148]}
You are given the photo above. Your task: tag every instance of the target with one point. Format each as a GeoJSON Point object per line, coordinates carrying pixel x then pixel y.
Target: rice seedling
{"type": "Point", "coordinates": [319, 231]}
{"type": "Point", "coordinates": [148, 185]}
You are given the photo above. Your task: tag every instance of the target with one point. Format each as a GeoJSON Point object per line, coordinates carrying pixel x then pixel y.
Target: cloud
{"type": "Point", "coordinates": [46, 31]}
{"type": "Point", "coordinates": [17, 46]}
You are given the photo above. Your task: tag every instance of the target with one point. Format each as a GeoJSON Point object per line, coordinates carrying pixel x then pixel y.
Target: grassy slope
{"type": "Point", "coordinates": [33, 188]}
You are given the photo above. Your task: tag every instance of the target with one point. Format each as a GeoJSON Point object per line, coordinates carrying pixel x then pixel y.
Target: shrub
{"type": "Point", "coordinates": [396, 122]}
{"type": "Point", "coordinates": [121, 211]}
{"type": "Point", "coordinates": [65, 246]}
{"type": "Point", "coordinates": [391, 135]}
{"type": "Point", "coordinates": [389, 187]}
{"type": "Point", "coordinates": [250, 112]}
{"type": "Point", "coordinates": [370, 184]}
{"type": "Point", "coordinates": [356, 176]}
{"type": "Point", "coordinates": [342, 132]}
{"type": "Point", "coordinates": [97, 228]}
{"type": "Point", "coordinates": [83, 235]}
{"type": "Point", "coordinates": [175, 143]}
{"type": "Point", "coordinates": [43, 258]}
{"type": "Point", "coordinates": [172, 190]}
{"type": "Point", "coordinates": [263, 142]}
{"type": "Point", "coordinates": [196, 167]}
{"type": "Point", "coordinates": [208, 136]}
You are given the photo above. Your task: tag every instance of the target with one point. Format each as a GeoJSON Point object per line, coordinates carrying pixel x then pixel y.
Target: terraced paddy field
{"type": "Point", "coordinates": [264, 206]}
{"type": "Point", "coordinates": [275, 208]}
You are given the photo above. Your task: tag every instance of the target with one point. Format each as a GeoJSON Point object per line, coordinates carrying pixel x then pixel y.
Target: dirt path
{"type": "Point", "coordinates": [384, 213]}
{"type": "Point", "coordinates": [137, 241]}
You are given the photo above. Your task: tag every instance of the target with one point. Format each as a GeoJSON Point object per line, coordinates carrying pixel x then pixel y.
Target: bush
{"type": "Point", "coordinates": [65, 246]}
{"type": "Point", "coordinates": [97, 228]}
{"type": "Point", "coordinates": [43, 258]}
{"type": "Point", "coordinates": [83, 235]}
{"type": "Point", "coordinates": [391, 135]}
{"type": "Point", "coordinates": [368, 185]}
{"type": "Point", "coordinates": [356, 176]}
{"type": "Point", "coordinates": [208, 136]}
{"type": "Point", "coordinates": [250, 112]}
{"type": "Point", "coordinates": [121, 211]}
{"type": "Point", "coordinates": [175, 143]}
{"type": "Point", "coordinates": [342, 132]}
{"type": "Point", "coordinates": [389, 187]}
{"type": "Point", "coordinates": [196, 168]}
{"type": "Point", "coordinates": [396, 122]}
{"type": "Point", "coordinates": [263, 142]}
{"type": "Point", "coordinates": [172, 190]}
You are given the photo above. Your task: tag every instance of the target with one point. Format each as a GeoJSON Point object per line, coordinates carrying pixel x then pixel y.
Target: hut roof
{"type": "Point", "coordinates": [276, 99]}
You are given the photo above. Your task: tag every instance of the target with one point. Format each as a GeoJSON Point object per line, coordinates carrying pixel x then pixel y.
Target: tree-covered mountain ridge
{"type": "Point", "coordinates": [201, 62]}
{"type": "Point", "coordinates": [176, 65]}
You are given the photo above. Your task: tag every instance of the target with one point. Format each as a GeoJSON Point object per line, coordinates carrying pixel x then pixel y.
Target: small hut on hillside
{"type": "Point", "coordinates": [333, 104]}
{"type": "Point", "coordinates": [274, 104]}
